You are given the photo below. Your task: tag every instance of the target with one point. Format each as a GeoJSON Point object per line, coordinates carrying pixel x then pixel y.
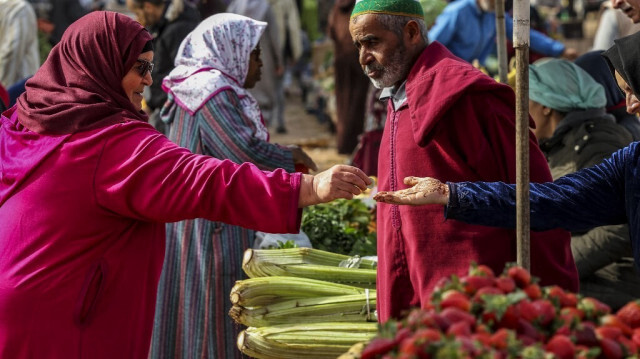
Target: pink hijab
{"type": "Point", "coordinates": [79, 86]}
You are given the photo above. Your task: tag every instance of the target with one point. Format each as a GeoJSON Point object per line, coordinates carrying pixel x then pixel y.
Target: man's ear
{"type": "Point", "coordinates": [412, 33]}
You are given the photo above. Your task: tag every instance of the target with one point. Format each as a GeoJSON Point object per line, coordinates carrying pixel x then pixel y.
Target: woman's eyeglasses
{"type": "Point", "coordinates": [146, 66]}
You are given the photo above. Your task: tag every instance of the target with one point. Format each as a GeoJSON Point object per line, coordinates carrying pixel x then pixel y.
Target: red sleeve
{"type": "Point", "coordinates": [143, 175]}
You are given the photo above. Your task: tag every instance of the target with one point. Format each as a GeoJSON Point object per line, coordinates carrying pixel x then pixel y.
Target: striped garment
{"type": "Point", "coordinates": [203, 258]}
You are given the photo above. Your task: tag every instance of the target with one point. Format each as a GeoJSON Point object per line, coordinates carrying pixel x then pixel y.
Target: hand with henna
{"type": "Point", "coordinates": [424, 190]}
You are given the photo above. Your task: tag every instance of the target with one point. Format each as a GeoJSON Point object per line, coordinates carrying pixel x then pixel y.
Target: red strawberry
{"type": "Point", "coordinates": [478, 297]}
{"type": "Point", "coordinates": [506, 284]}
{"type": "Point", "coordinates": [471, 284]}
{"type": "Point", "coordinates": [533, 291]}
{"type": "Point", "coordinates": [482, 329]}
{"type": "Point", "coordinates": [520, 275]}
{"type": "Point", "coordinates": [571, 316]}
{"type": "Point", "coordinates": [593, 308]}
{"type": "Point", "coordinates": [611, 349]}
{"type": "Point", "coordinates": [635, 337]}
{"type": "Point", "coordinates": [546, 311]}
{"type": "Point", "coordinates": [608, 332]}
{"type": "Point", "coordinates": [628, 346]}
{"type": "Point", "coordinates": [564, 330]}
{"type": "Point", "coordinates": [630, 314]}
{"type": "Point", "coordinates": [561, 346]}
{"type": "Point", "coordinates": [527, 311]}
{"type": "Point", "coordinates": [611, 320]}
{"type": "Point", "coordinates": [561, 298]}
{"type": "Point", "coordinates": [429, 319]}
{"type": "Point", "coordinates": [454, 315]}
{"type": "Point", "coordinates": [453, 298]}
{"type": "Point", "coordinates": [481, 270]}
{"type": "Point", "coordinates": [428, 335]}
{"type": "Point", "coordinates": [510, 318]}
{"type": "Point", "coordinates": [415, 318]}
{"type": "Point", "coordinates": [403, 334]}
{"type": "Point", "coordinates": [585, 334]}
{"type": "Point", "coordinates": [482, 338]}
{"type": "Point", "coordinates": [570, 300]}
{"type": "Point", "coordinates": [414, 345]}
{"type": "Point", "coordinates": [500, 339]}
{"type": "Point", "coordinates": [525, 328]}
{"type": "Point", "coordinates": [460, 329]}
{"type": "Point", "coordinates": [378, 347]}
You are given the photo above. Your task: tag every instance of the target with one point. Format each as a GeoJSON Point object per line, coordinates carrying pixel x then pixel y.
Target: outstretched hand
{"type": "Point", "coordinates": [424, 190]}
{"type": "Point", "coordinates": [339, 181]}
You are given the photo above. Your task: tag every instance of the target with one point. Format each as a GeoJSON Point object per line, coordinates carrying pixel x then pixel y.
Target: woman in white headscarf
{"type": "Point", "coordinates": [265, 92]}
{"type": "Point", "coordinates": [211, 112]}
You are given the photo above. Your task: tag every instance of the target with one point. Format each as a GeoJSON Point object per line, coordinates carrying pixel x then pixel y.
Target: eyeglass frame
{"type": "Point", "coordinates": [146, 66]}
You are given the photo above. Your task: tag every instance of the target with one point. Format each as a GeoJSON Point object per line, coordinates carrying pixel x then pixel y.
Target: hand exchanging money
{"type": "Point", "coordinates": [340, 181]}
{"type": "Point", "coordinates": [424, 190]}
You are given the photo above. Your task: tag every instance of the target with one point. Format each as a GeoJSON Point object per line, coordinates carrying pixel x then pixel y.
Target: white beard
{"type": "Point", "coordinates": [392, 73]}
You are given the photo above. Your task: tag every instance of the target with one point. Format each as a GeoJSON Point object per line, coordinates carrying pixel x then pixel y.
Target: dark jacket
{"type": "Point", "coordinates": [168, 34]}
{"type": "Point", "coordinates": [603, 255]}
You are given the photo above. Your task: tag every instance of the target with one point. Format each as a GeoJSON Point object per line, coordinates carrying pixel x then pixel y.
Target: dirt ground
{"type": "Point", "coordinates": [305, 130]}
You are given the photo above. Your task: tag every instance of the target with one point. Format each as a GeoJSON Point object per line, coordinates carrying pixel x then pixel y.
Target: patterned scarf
{"type": "Point", "coordinates": [215, 57]}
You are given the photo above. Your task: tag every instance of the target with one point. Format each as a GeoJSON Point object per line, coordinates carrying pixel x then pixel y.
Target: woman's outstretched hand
{"type": "Point", "coordinates": [424, 190]}
{"type": "Point", "coordinates": [339, 181]}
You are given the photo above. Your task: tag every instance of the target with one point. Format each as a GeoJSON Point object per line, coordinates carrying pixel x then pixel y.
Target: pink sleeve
{"type": "Point", "coordinates": [143, 175]}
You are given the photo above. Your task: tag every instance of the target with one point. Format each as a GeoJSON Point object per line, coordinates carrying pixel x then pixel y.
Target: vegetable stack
{"type": "Point", "coordinates": [303, 302]}
{"type": "Point", "coordinates": [510, 316]}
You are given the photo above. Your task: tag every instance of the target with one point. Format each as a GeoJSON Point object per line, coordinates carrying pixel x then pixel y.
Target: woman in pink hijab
{"type": "Point", "coordinates": [86, 186]}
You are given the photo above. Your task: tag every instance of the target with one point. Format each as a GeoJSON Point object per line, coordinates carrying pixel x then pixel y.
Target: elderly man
{"type": "Point", "coordinates": [446, 120]}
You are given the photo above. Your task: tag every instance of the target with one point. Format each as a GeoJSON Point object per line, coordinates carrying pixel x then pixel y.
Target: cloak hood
{"type": "Point", "coordinates": [431, 90]}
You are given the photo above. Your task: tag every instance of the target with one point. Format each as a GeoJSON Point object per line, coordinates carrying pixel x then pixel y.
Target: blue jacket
{"type": "Point", "coordinates": [470, 33]}
{"type": "Point", "coordinates": [606, 194]}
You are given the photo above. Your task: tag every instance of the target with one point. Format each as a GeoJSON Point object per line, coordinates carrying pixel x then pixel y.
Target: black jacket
{"type": "Point", "coordinates": [603, 255]}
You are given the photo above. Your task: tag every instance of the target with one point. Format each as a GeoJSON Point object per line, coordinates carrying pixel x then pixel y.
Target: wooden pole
{"type": "Point", "coordinates": [521, 27]}
{"type": "Point", "coordinates": [501, 36]}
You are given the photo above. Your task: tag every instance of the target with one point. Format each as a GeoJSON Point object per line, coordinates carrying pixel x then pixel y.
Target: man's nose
{"type": "Point", "coordinates": [365, 57]}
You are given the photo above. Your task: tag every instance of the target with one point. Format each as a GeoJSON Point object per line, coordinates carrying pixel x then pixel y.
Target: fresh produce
{"type": "Point", "coordinates": [310, 263]}
{"type": "Point", "coordinates": [297, 315]}
{"type": "Point", "coordinates": [261, 291]}
{"type": "Point", "coordinates": [343, 308]}
{"type": "Point", "coordinates": [510, 316]}
{"type": "Point", "coordinates": [315, 340]}
{"type": "Point", "coordinates": [341, 226]}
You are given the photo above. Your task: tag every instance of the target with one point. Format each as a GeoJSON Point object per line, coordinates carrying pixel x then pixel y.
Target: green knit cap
{"type": "Point", "coordinates": [411, 8]}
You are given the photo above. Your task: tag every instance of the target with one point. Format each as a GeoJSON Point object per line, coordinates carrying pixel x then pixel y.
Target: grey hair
{"type": "Point", "coordinates": [396, 24]}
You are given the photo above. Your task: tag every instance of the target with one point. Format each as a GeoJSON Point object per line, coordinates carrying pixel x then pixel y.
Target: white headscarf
{"type": "Point", "coordinates": [215, 57]}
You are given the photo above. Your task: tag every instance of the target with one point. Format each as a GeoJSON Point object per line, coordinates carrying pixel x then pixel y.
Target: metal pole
{"type": "Point", "coordinates": [501, 36]}
{"type": "Point", "coordinates": [521, 27]}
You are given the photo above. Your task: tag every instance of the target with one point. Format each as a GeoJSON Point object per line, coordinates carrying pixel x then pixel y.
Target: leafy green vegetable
{"type": "Point", "coordinates": [284, 245]}
{"type": "Point", "coordinates": [341, 226]}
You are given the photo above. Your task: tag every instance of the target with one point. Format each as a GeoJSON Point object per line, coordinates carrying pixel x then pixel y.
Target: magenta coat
{"type": "Point", "coordinates": [456, 125]}
{"type": "Point", "coordinates": [82, 231]}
